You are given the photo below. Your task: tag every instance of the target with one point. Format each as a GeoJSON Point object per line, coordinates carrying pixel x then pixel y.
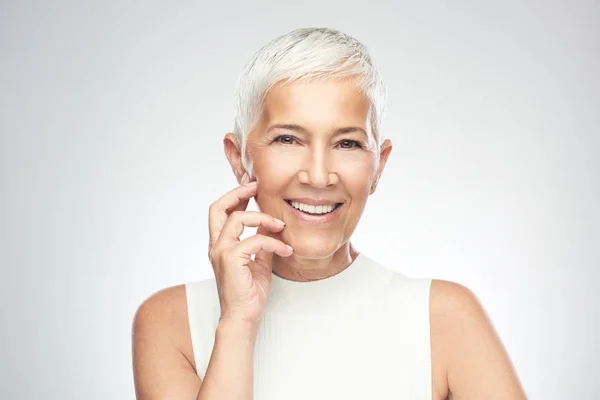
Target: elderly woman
{"type": "Point", "coordinates": [295, 311]}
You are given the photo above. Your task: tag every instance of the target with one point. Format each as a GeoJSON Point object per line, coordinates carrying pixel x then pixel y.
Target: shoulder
{"type": "Point", "coordinates": [162, 320]}
{"type": "Point", "coordinates": [172, 303]}
{"type": "Point", "coordinates": [456, 313]}
{"type": "Point", "coordinates": [168, 309]}
{"type": "Point", "coordinates": [161, 346]}
{"type": "Point", "coordinates": [471, 357]}
{"type": "Point", "coordinates": [163, 361]}
{"type": "Point", "coordinates": [451, 299]}
{"type": "Point", "coordinates": [163, 313]}
{"type": "Point", "coordinates": [168, 303]}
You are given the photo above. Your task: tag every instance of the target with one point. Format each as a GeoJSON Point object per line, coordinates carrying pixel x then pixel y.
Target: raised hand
{"type": "Point", "coordinates": [243, 283]}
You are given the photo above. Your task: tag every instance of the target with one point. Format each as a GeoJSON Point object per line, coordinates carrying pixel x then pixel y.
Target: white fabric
{"type": "Point", "coordinates": [361, 334]}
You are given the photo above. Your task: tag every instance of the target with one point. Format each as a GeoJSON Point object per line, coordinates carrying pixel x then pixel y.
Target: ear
{"type": "Point", "coordinates": [233, 153]}
{"type": "Point", "coordinates": [384, 153]}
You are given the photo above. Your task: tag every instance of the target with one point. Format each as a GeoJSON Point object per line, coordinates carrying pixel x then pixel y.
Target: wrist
{"type": "Point", "coordinates": [230, 326]}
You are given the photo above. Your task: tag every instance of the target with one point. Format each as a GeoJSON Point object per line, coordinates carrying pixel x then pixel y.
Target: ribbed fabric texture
{"type": "Point", "coordinates": [361, 334]}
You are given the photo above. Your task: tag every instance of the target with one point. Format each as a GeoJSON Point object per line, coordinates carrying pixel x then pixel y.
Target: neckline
{"type": "Point", "coordinates": [341, 292]}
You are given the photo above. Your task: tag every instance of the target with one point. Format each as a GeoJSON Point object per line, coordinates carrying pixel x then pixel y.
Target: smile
{"type": "Point", "coordinates": [314, 213]}
{"type": "Point", "coordinates": [313, 209]}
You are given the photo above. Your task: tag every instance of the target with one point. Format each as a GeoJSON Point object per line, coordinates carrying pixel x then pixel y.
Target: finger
{"type": "Point", "coordinates": [243, 202]}
{"type": "Point", "coordinates": [257, 243]}
{"type": "Point", "coordinates": [238, 220]}
{"type": "Point", "coordinates": [263, 258]}
{"type": "Point", "coordinates": [218, 212]}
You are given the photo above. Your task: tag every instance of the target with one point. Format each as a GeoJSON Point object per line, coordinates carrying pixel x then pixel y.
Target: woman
{"type": "Point", "coordinates": [295, 312]}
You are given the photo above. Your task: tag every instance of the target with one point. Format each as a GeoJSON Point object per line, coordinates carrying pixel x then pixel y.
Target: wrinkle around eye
{"type": "Point", "coordinates": [277, 139]}
{"type": "Point", "coordinates": [355, 144]}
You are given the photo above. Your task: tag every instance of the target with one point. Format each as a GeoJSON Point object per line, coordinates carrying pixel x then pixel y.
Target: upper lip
{"type": "Point", "coordinates": [315, 202]}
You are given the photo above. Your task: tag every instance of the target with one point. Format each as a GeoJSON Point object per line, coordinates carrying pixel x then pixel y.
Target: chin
{"type": "Point", "coordinates": [314, 247]}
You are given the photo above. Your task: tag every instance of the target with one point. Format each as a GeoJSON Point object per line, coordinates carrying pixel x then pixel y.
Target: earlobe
{"type": "Point", "coordinates": [244, 179]}
{"type": "Point", "coordinates": [373, 187]}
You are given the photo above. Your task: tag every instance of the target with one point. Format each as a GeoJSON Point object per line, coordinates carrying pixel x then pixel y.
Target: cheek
{"type": "Point", "coordinates": [274, 169]}
{"type": "Point", "coordinates": [358, 186]}
{"type": "Point", "coordinates": [357, 173]}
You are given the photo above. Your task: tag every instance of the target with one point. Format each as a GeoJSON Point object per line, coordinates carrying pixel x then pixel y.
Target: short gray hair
{"type": "Point", "coordinates": [306, 53]}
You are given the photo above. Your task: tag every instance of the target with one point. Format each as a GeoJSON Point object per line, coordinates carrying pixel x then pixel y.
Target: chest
{"type": "Point", "coordinates": [365, 356]}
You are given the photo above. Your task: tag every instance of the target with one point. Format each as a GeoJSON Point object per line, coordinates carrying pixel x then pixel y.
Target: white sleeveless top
{"type": "Point", "coordinates": [361, 334]}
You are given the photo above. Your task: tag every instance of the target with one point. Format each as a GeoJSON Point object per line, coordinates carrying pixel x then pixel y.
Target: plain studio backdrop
{"type": "Point", "coordinates": [112, 118]}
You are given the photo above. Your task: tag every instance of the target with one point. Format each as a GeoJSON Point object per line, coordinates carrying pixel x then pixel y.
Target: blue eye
{"type": "Point", "coordinates": [284, 139]}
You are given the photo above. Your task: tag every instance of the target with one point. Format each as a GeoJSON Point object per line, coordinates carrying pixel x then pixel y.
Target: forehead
{"type": "Point", "coordinates": [315, 104]}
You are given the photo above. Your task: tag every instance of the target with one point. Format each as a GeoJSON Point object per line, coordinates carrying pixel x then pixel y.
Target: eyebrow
{"type": "Point", "coordinates": [298, 128]}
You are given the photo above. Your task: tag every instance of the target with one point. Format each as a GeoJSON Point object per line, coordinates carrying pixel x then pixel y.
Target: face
{"type": "Point", "coordinates": [316, 161]}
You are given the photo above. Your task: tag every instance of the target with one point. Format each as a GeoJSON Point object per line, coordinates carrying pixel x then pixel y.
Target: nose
{"type": "Point", "coordinates": [318, 171]}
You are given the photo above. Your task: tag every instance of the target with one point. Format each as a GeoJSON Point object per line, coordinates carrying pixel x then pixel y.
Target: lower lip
{"type": "Point", "coordinates": [315, 218]}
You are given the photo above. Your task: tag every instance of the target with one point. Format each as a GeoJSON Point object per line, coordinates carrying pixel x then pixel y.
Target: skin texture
{"type": "Point", "coordinates": [468, 359]}
{"type": "Point", "coordinates": [321, 158]}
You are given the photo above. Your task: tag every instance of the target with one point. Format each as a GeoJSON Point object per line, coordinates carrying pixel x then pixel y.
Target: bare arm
{"type": "Point", "coordinates": [163, 359]}
{"type": "Point", "coordinates": [230, 373]}
{"type": "Point", "coordinates": [477, 365]}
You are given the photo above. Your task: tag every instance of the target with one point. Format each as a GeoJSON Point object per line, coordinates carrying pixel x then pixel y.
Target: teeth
{"type": "Point", "coordinates": [307, 208]}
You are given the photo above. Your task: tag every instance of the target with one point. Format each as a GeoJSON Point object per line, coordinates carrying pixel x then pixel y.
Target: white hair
{"type": "Point", "coordinates": [306, 53]}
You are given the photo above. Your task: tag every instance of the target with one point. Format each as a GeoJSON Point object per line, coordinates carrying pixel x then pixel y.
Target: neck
{"type": "Point", "coordinates": [305, 269]}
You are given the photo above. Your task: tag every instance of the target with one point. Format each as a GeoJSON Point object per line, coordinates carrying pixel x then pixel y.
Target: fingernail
{"type": "Point", "coordinates": [280, 222]}
{"type": "Point", "coordinates": [289, 247]}
{"type": "Point", "coordinates": [250, 184]}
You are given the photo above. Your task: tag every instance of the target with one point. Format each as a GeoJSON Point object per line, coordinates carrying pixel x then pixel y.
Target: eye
{"type": "Point", "coordinates": [349, 144]}
{"type": "Point", "coordinates": [284, 139]}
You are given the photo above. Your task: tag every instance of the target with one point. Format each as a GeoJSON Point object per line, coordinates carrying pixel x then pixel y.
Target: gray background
{"type": "Point", "coordinates": [112, 116]}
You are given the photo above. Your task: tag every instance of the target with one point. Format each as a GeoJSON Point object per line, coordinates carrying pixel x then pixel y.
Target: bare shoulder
{"type": "Point", "coordinates": [451, 296]}
{"type": "Point", "coordinates": [164, 312]}
{"type": "Point", "coordinates": [169, 303]}
{"type": "Point", "coordinates": [471, 360]}
{"type": "Point", "coordinates": [163, 359]}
